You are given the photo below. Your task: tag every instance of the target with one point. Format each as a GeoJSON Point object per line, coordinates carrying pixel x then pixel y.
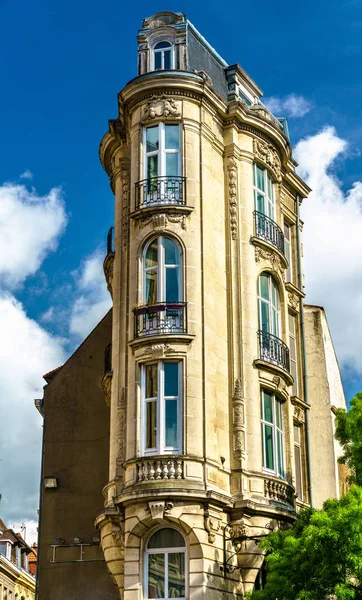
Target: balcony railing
{"type": "Point", "coordinates": [156, 469]}
{"type": "Point", "coordinates": [266, 229]}
{"type": "Point", "coordinates": [273, 350]}
{"type": "Point", "coordinates": [110, 244]}
{"type": "Point", "coordinates": [160, 318]}
{"type": "Point", "coordinates": [161, 190]}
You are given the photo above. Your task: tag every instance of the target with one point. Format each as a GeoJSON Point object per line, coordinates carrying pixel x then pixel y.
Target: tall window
{"type": "Point", "coordinates": [162, 163]}
{"type": "Point", "coordinates": [272, 434]}
{"type": "Point", "coordinates": [264, 192]}
{"type": "Point", "coordinates": [165, 566]}
{"type": "Point", "coordinates": [298, 458]}
{"type": "Point", "coordinates": [288, 251]}
{"type": "Point", "coordinates": [162, 272]}
{"type": "Point", "coordinates": [293, 353]}
{"type": "Point", "coordinates": [269, 305]}
{"type": "Point", "coordinates": [161, 384]}
{"type": "Point", "coordinates": [163, 56]}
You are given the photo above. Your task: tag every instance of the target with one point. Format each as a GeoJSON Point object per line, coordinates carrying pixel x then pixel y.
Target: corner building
{"type": "Point", "coordinates": [208, 406]}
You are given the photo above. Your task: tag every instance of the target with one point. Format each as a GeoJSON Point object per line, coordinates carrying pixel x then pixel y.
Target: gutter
{"type": "Point", "coordinates": [304, 356]}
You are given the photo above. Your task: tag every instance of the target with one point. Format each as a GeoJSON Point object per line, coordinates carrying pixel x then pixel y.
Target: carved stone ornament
{"type": "Point", "coordinates": [161, 107]}
{"type": "Point", "coordinates": [293, 301]}
{"type": "Point", "coordinates": [262, 254]}
{"type": "Point", "coordinates": [157, 509]}
{"type": "Point", "coordinates": [117, 535]}
{"type": "Point", "coordinates": [108, 270]}
{"type": "Point", "coordinates": [125, 203]}
{"type": "Point", "coordinates": [299, 414]}
{"type": "Point", "coordinates": [280, 384]}
{"type": "Point", "coordinates": [238, 420]}
{"type": "Point", "coordinates": [233, 197]}
{"type": "Point", "coordinates": [268, 155]}
{"type": "Point", "coordinates": [157, 350]}
{"type": "Point", "coordinates": [212, 525]}
{"type": "Point", "coordinates": [121, 423]}
{"type": "Point", "coordinates": [160, 222]}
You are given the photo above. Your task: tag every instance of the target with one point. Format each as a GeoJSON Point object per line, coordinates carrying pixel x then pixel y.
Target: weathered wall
{"type": "Point", "coordinates": [76, 451]}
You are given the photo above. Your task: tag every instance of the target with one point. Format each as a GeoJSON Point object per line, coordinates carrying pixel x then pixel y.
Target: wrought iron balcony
{"type": "Point", "coordinates": [273, 350]}
{"type": "Point", "coordinates": [160, 318]}
{"type": "Point", "coordinates": [161, 190]}
{"type": "Point", "coordinates": [110, 240]}
{"type": "Point", "coordinates": [266, 229]}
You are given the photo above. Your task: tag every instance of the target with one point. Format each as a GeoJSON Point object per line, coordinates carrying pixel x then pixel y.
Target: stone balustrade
{"type": "Point", "coordinates": [156, 469]}
{"type": "Point", "coordinates": [279, 490]}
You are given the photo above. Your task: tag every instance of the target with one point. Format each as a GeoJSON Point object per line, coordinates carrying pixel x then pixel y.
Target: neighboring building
{"type": "Point", "coordinates": [16, 582]}
{"type": "Point", "coordinates": [32, 559]}
{"type": "Point", "coordinates": [210, 420]}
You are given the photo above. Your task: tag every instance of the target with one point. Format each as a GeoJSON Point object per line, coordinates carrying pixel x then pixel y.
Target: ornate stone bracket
{"type": "Point", "coordinates": [269, 156]}
{"type": "Point", "coordinates": [156, 351]}
{"type": "Point", "coordinates": [108, 270]}
{"type": "Point", "coordinates": [293, 301]}
{"type": "Point", "coordinates": [160, 222]}
{"type": "Point", "coordinates": [238, 420]}
{"type": "Point", "coordinates": [272, 258]}
{"type": "Point", "coordinates": [107, 386]}
{"type": "Point", "coordinates": [233, 197]}
{"type": "Point", "coordinates": [159, 509]}
{"type": "Point", "coordinates": [163, 106]}
{"type": "Point", "coordinates": [212, 525]}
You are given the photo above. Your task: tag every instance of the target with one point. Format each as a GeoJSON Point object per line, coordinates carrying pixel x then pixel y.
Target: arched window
{"type": "Point", "coordinates": [163, 56]}
{"type": "Point", "coordinates": [268, 305]}
{"type": "Point", "coordinates": [165, 566]}
{"type": "Point", "coordinates": [162, 272]}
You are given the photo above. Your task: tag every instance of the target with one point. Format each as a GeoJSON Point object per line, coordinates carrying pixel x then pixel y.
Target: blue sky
{"type": "Point", "coordinates": [62, 65]}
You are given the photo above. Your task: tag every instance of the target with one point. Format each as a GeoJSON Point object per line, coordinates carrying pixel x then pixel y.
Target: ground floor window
{"type": "Point", "coordinates": [165, 566]}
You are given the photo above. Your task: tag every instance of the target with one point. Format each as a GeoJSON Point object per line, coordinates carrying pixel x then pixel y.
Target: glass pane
{"type": "Point", "coordinates": [259, 178]}
{"type": "Point", "coordinates": [171, 423]}
{"type": "Point", "coordinates": [278, 414]}
{"type": "Point", "coordinates": [151, 287]}
{"type": "Point", "coordinates": [151, 139]}
{"type": "Point", "coordinates": [167, 59]}
{"type": "Point", "coordinates": [271, 210]}
{"type": "Point", "coordinates": [172, 284]}
{"type": "Point", "coordinates": [151, 426]}
{"type": "Point", "coordinates": [264, 286]}
{"type": "Point", "coordinates": [298, 472]}
{"type": "Point", "coordinates": [172, 164]}
{"type": "Point", "coordinates": [274, 293]}
{"type": "Point", "coordinates": [269, 450]}
{"type": "Point", "coordinates": [260, 207]}
{"type": "Point", "coordinates": [158, 58]}
{"type": "Point", "coordinates": [151, 255]}
{"type": "Point", "coordinates": [275, 323]}
{"type": "Point", "coordinates": [156, 576]}
{"type": "Point", "coordinates": [166, 538]}
{"type": "Point", "coordinates": [162, 45]}
{"type": "Point", "coordinates": [286, 231]}
{"type": "Point", "coordinates": [280, 454]}
{"type": "Point", "coordinates": [268, 413]}
{"type": "Point", "coordinates": [172, 137]}
{"type": "Point", "coordinates": [151, 381]}
{"type": "Point", "coordinates": [171, 252]}
{"type": "Point", "coordinates": [152, 171]}
{"type": "Point", "coordinates": [171, 378]}
{"type": "Point", "coordinates": [270, 187]}
{"type": "Point", "coordinates": [176, 575]}
{"type": "Point", "coordinates": [291, 323]}
{"type": "Point", "coordinates": [292, 348]}
{"type": "Point", "coordinates": [265, 323]}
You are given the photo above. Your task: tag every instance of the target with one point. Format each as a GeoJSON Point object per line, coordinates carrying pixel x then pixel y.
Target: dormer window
{"type": "Point", "coordinates": [163, 56]}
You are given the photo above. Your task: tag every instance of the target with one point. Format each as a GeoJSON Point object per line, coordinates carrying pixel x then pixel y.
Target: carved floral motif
{"type": "Point", "coordinates": [293, 300]}
{"type": "Point", "coordinates": [157, 350]}
{"type": "Point", "coordinates": [238, 420]}
{"type": "Point", "coordinates": [233, 187]}
{"type": "Point", "coordinates": [160, 222]}
{"type": "Point", "coordinates": [125, 191]}
{"type": "Point", "coordinates": [267, 153]}
{"type": "Point", "coordinates": [161, 107]}
{"type": "Point", "coordinates": [272, 258]}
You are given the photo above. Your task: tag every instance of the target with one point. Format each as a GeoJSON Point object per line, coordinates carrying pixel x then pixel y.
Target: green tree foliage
{"type": "Point", "coordinates": [349, 434]}
{"type": "Point", "coordinates": [321, 557]}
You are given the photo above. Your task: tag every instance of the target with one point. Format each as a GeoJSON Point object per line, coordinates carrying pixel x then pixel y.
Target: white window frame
{"type": "Point", "coordinates": [271, 307]}
{"type": "Point", "coordinates": [162, 150]}
{"type": "Point", "coordinates": [275, 431]}
{"type": "Point", "coordinates": [162, 51]}
{"type": "Point", "coordinates": [161, 270]}
{"type": "Point", "coordinates": [299, 444]}
{"type": "Point", "coordinates": [292, 319]}
{"type": "Point", "coordinates": [160, 400]}
{"type": "Point", "coordinates": [269, 202]}
{"type": "Point", "coordinates": [288, 252]}
{"type": "Point", "coordinates": [166, 552]}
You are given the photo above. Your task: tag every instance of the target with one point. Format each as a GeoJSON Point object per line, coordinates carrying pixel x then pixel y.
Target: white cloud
{"type": "Point", "coordinates": [289, 106]}
{"type": "Point", "coordinates": [333, 242]}
{"type": "Point", "coordinates": [48, 315]}
{"type": "Point", "coordinates": [27, 175]}
{"type": "Point", "coordinates": [30, 226]}
{"type": "Point", "coordinates": [26, 352]}
{"type": "Point", "coordinates": [93, 299]}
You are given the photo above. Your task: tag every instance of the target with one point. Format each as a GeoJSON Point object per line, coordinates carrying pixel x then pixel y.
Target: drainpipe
{"type": "Point", "coordinates": [304, 356]}
{"type": "Point", "coordinates": [39, 404]}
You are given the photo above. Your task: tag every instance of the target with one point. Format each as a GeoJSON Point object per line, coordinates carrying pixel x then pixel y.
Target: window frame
{"type": "Point", "coordinates": [300, 444]}
{"type": "Point", "coordinates": [276, 402]}
{"type": "Point", "coordinates": [269, 202]}
{"type": "Point", "coordinates": [293, 346]}
{"type": "Point", "coordinates": [271, 307]}
{"type": "Point", "coordinates": [288, 251]}
{"type": "Point", "coordinates": [165, 551]}
{"type": "Point", "coordinates": [161, 269]}
{"type": "Point", "coordinates": [161, 51]}
{"type": "Point", "coordinates": [162, 151]}
{"type": "Point", "coordinates": [161, 449]}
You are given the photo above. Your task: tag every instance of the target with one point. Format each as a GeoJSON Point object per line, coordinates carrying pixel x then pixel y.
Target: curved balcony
{"type": "Point", "coordinates": [161, 318]}
{"type": "Point", "coordinates": [167, 190]}
{"type": "Point", "coordinates": [273, 350]}
{"type": "Point", "coordinates": [266, 229]}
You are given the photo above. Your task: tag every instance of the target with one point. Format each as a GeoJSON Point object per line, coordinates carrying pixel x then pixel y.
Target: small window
{"type": "Point", "coordinates": [272, 434]}
{"type": "Point", "coordinates": [163, 56]}
{"type": "Point", "coordinates": [264, 192]}
{"type": "Point", "coordinates": [162, 408]}
{"type": "Point", "coordinates": [165, 565]}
